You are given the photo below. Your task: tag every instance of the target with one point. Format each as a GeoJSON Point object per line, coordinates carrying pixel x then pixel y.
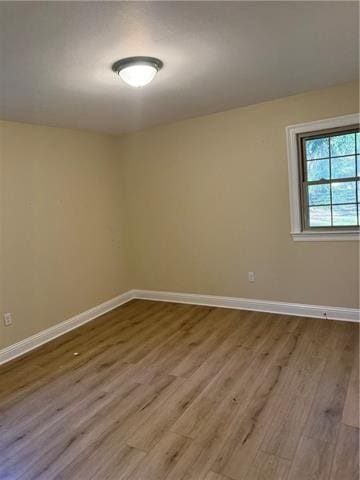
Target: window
{"type": "Point", "coordinates": [324, 172]}
{"type": "Point", "coordinates": [330, 167]}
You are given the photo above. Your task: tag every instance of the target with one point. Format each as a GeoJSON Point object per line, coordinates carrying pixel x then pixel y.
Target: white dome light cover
{"type": "Point", "coordinates": [137, 71]}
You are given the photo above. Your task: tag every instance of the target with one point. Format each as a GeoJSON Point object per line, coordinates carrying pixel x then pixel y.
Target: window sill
{"type": "Point", "coordinates": [350, 235]}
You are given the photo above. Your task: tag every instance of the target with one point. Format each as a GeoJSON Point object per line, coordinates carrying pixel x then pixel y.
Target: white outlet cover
{"type": "Point", "coordinates": [7, 319]}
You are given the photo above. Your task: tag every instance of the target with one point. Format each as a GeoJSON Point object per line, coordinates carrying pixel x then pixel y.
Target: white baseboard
{"type": "Point", "coordinates": [298, 309]}
{"type": "Point", "coordinates": [45, 336]}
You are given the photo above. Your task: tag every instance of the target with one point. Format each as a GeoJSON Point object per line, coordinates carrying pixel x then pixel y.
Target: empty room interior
{"type": "Point", "coordinates": [179, 240]}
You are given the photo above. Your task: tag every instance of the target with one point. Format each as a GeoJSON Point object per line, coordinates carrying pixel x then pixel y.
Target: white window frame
{"type": "Point", "coordinates": [294, 180]}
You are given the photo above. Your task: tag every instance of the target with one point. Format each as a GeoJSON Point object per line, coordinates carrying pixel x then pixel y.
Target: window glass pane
{"type": "Point", "coordinates": [318, 170]}
{"type": "Point", "coordinates": [317, 148]}
{"type": "Point", "coordinates": [342, 167]}
{"type": "Point", "coordinates": [358, 142]}
{"type": "Point", "coordinates": [344, 215]}
{"type": "Point", "coordinates": [319, 216]}
{"type": "Point", "coordinates": [358, 165]}
{"type": "Point", "coordinates": [343, 192]}
{"type": "Point", "coordinates": [342, 144]}
{"type": "Point", "coordinates": [319, 194]}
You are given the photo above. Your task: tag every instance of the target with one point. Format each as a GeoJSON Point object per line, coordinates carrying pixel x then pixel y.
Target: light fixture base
{"type": "Point", "coordinates": [126, 62]}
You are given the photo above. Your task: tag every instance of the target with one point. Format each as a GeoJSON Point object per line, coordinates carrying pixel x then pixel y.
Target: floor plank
{"type": "Point", "coordinates": [160, 462]}
{"type": "Point", "coordinates": [312, 461]}
{"type": "Point", "coordinates": [297, 394]}
{"type": "Point", "coordinates": [268, 467]}
{"type": "Point", "coordinates": [214, 476]}
{"type": "Point", "coordinates": [351, 408]}
{"type": "Point", "coordinates": [327, 409]}
{"type": "Point", "coordinates": [346, 460]}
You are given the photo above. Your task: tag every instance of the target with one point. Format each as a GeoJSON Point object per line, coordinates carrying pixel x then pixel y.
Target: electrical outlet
{"type": "Point", "coordinates": [7, 319]}
{"type": "Point", "coordinates": [251, 276]}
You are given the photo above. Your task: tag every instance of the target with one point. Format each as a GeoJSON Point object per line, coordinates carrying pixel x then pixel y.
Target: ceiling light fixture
{"type": "Point", "coordinates": [137, 71]}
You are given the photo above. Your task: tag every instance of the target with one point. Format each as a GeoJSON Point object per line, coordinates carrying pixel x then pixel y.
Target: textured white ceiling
{"type": "Point", "coordinates": [56, 58]}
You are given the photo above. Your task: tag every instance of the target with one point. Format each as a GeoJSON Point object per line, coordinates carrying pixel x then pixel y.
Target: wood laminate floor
{"type": "Point", "coordinates": [161, 391]}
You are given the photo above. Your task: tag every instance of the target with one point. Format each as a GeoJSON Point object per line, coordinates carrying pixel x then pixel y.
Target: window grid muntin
{"type": "Point", "coordinates": [328, 133]}
{"type": "Point", "coordinates": [356, 184]}
{"type": "Point", "coordinates": [327, 158]}
{"type": "Point", "coordinates": [331, 203]}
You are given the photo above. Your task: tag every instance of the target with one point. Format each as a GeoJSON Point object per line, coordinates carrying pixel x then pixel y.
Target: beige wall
{"type": "Point", "coordinates": [61, 226]}
{"type": "Point", "coordinates": [207, 201]}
